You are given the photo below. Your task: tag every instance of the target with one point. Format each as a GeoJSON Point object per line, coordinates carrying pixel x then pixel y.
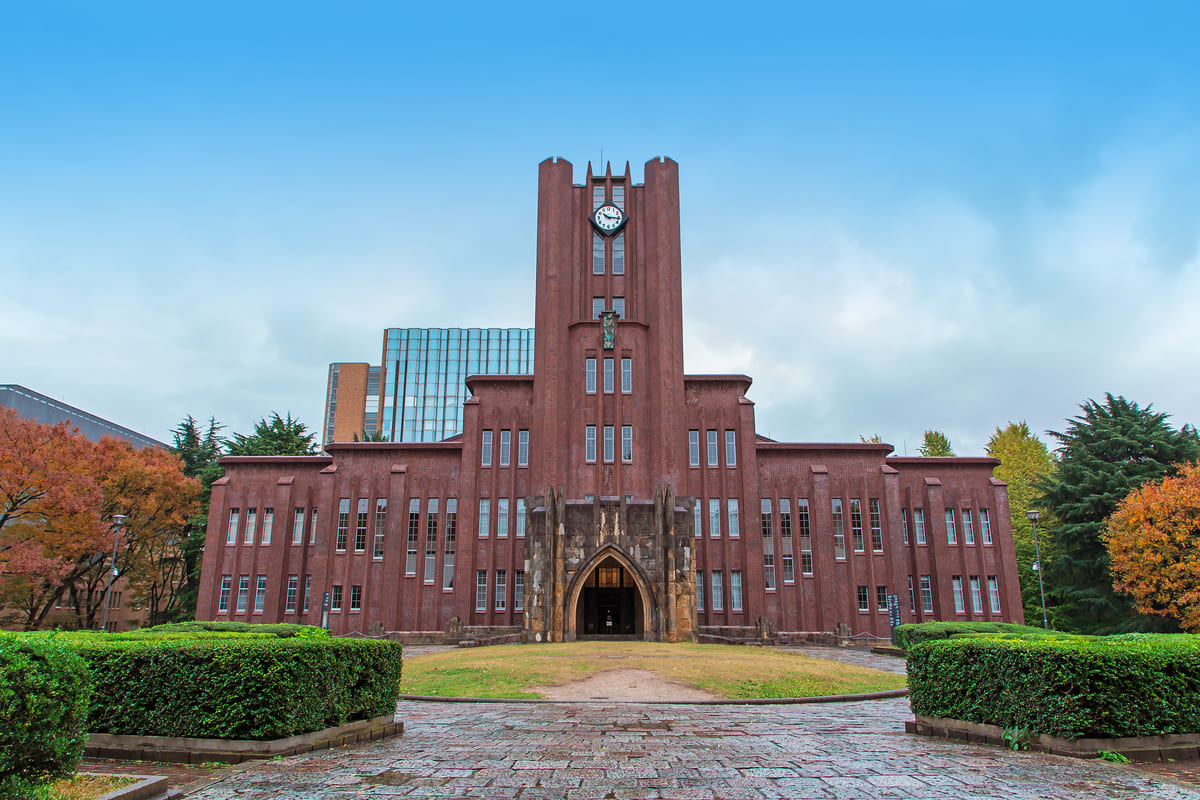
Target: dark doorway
{"type": "Point", "coordinates": [609, 603]}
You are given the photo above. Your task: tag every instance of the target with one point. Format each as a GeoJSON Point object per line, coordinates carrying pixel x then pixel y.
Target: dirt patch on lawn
{"type": "Point", "coordinates": [624, 686]}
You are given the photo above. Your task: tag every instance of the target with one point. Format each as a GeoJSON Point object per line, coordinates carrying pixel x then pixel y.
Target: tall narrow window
{"type": "Point", "coordinates": [904, 523]}
{"type": "Point", "coordinates": [268, 524]}
{"type": "Point", "coordinates": [597, 194]}
{"type": "Point", "coordinates": [298, 525]}
{"type": "Point", "coordinates": [712, 448]}
{"type": "Point", "coordinates": [502, 518]}
{"type": "Point", "coordinates": [589, 443]}
{"type": "Point", "coordinates": [597, 254]}
{"type": "Point", "coordinates": [609, 443]}
{"type": "Point", "coordinates": [693, 448]}
{"type": "Point", "coordinates": [618, 195]}
{"type": "Point", "coordinates": [485, 517]}
{"type": "Point", "coordinates": [785, 540]}
{"type": "Point", "coordinates": [343, 523]}
{"type": "Point", "coordinates": [501, 590]}
{"type": "Point", "coordinates": [380, 527]}
{"type": "Point", "coordinates": [735, 590]}
{"type": "Point", "coordinates": [608, 376]}
{"type": "Point", "coordinates": [730, 449]}
{"type": "Point", "coordinates": [957, 587]}
{"type": "Point", "coordinates": [976, 595]}
{"type": "Point", "coordinates": [520, 516]}
{"type": "Point", "coordinates": [802, 520]}
{"type": "Point", "coordinates": [260, 594]}
{"type": "Point", "coordinates": [289, 599]}
{"type": "Point", "coordinates": [619, 307]}
{"type": "Point", "coordinates": [856, 524]}
{"type": "Point", "coordinates": [985, 525]}
{"type": "Point", "coordinates": [243, 593]}
{"type": "Point", "coordinates": [968, 527]}
{"type": "Point", "coordinates": [360, 525]}
{"type": "Point", "coordinates": [876, 525]}
{"type": "Point", "coordinates": [485, 449]}
{"type": "Point", "coordinates": [505, 448]}
{"type": "Point", "coordinates": [768, 543]}
{"type": "Point", "coordinates": [223, 599]}
{"type": "Point", "coordinates": [626, 375]}
{"type": "Point", "coordinates": [522, 448]}
{"type": "Point", "coordinates": [232, 532]}
{"type": "Point", "coordinates": [951, 536]}
{"type": "Point", "coordinates": [994, 593]}
{"type": "Point", "coordinates": [481, 590]}
{"type": "Point", "coordinates": [864, 599]}
{"type": "Point", "coordinates": [307, 594]}
{"type": "Point", "coordinates": [251, 520]}
{"type": "Point", "coordinates": [597, 307]}
{"type": "Point", "coordinates": [519, 590]}
{"type": "Point", "coordinates": [414, 534]}
{"type": "Point", "coordinates": [926, 594]}
{"type": "Point", "coordinates": [714, 517]}
{"type": "Point", "coordinates": [619, 254]}
{"type": "Point", "coordinates": [919, 524]}
{"type": "Point", "coordinates": [718, 592]}
{"type": "Point", "coordinates": [699, 590]}
{"type": "Point", "coordinates": [312, 522]}
{"type": "Point", "coordinates": [335, 598]}
{"type": "Point", "coordinates": [697, 519]}
{"type": "Point", "coordinates": [627, 443]}
{"type": "Point", "coordinates": [839, 530]}
{"type": "Point", "coordinates": [589, 375]}
{"type": "Point", "coordinates": [912, 597]}
{"type": "Point", "coordinates": [356, 597]}
{"type": "Point", "coordinates": [881, 598]}
{"type": "Point", "coordinates": [735, 528]}
{"type": "Point", "coordinates": [451, 530]}
{"type": "Point", "coordinates": [431, 535]}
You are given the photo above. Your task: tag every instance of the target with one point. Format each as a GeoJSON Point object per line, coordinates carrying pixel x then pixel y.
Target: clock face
{"type": "Point", "coordinates": [608, 218]}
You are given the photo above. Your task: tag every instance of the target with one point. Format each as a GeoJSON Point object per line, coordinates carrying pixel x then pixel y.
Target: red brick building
{"type": "Point", "coordinates": [608, 493]}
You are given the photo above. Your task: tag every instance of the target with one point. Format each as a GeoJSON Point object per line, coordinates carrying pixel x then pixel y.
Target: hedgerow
{"type": "Point", "coordinates": [915, 633]}
{"type": "Point", "coordinates": [1131, 685]}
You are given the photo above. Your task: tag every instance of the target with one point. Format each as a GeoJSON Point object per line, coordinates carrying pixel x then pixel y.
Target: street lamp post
{"type": "Point", "coordinates": [118, 521]}
{"type": "Point", "coordinates": [1037, 554]}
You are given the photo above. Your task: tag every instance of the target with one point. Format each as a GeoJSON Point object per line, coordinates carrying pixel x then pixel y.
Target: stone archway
{"type": "Point", "coordinates": [610, 597]}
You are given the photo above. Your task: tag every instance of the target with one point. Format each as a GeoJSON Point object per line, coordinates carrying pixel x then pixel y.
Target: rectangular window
{"type": "Point", "coordinates": [968, 527]}
{"type": "Point", "coordinates": [414, 533]}
{"type": "Point", "coordinates": [597, 254]}
{"type": "Point", "coordinates": [501, 590]}
{"type": "Point", "coordinates": [609, 443]}
{"type": "Point", "coordinates": [243, 593]}
{"type": "Point", "coordinates": [699, 591]}
{"type": "Point", "coordinates": [360, 524]}
{"type": "Point", "coordinates": [951, 536]}
{"type": "Point", "coordinates": [626, 375]}
{"type": "Point", "coordinates": [618, 195]}
{"type": "Point", "coordinates": [608, 376]}
{"type": "Point", "coordinates": [839, 530]}
{"type": "Point", "coordinates": [312, 522]}
{"type": "Point", "coordinates": [481, 590]}
{"type": "Point", "coordinates": [485, 449]}
{"type": "Point", "coordinates": [714, 517]}
{"type": "Point", "coordinates": [994, 593]}
{"type": "Point", "coordinates": [505, 448]}
{"type": "Point", "coordinates": [589, 443]}
{"type": "Point", "coordinates": [881, 598]}
{"type": "Point", "coordinates": [697, 519]}
{"type": "Point", "coordinates": [912, 597]}
{"type": "Point", "coordinates": [785, 538]}
{"type": "Point", "coordinates": [451, 530]}
{"type": "Point", "coordinates": [223, 599]}
{"type": "Point", "coordinates": [268, 524]}
{"type": "Point", "coordinates": [730, 448]}
{"type": "Point", "coordinates": [598, 194]}
{"type": "Point", "coordinates": [519, 590]}
{"type": "Point", "coordinates": [735, 528]}
{"type": "Point", "coordinates": [289, 599]}
{"type": "Point", "coordinates": [502, 518]}
{"type": "Point", "coordinates": [307, 593]}
{"type": "Point", "coordinates": [522, 448]}
{"type": "Point", "coordinates": [926, 594]}
{"type": "Point", "coordinates": [864, 599]}
{"type": "Point", "coordinates": [693, 448]}
{"type": "Point", "coordinates": [956, 586]}
{"type": "Point", "coordinates": [485, 517]}
{"type": "Point", "coordinates": [712, 450]}
{"type": "Point", "coordinates": [976, 595]}
{"type": "Point", "coordinates": [904, 523]}
{"type": "Point", "coordinates": [919, 524]}
{"type": "Point", "coordinates": [627, 443]}
{"type": "Point", "coordinates": [251, 519]}
{"type": "Point", "coordinates": [356, 597]}
{"type": "Point", "coordinates": [589, 375]}
{"type": "Point", "coordinates": [298, 525]}
{"type": "Point", "coordinates": [335, 598]}
{"type": "Point", "coordinates": [619, 307]}
{"type": "Point", "coordinates": [718, 593]}
{"type": "Point", "coordinates": [768, 543]}
{"type": "Point", "coordinates": [856, 525]}
{"type": "Point", "coordinates": [380, 527]}
{"type": "Point", "coordinates": [431, 534]}
{"type": "Point", "coordinates": [618, 253]}
{"type": "Point", "coordinates": [735, 590]}
{"type": "Point", "coordinates": [985, 525]}
{"type": "Point", "coordinates": [260, 594]}
{"type": "Point", "coordinates": [876, 525]}
{"type": "Point", "coordinates": [597, 307]}
{"type": "Point", "coordinates": [343, 523]}
{"type": "Point", "coordinates": [232, 533]}
{"type": "Point", "coordinates": [520, 516]}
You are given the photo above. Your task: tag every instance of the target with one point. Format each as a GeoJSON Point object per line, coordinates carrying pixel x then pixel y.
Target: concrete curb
{"type": "Point", "coordinates": [148, 787]}
{"type": "Point", "coordinates": [753, 701]}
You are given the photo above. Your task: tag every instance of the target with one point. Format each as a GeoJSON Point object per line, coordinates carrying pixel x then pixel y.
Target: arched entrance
{"type": "Point", "coordinates": [609, 603]}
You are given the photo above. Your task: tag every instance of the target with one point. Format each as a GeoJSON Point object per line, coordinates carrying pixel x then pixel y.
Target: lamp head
{"type": "Point", "coordinates": [1032, 514]}
{"type": "Point", "coordinates": [119, 519]}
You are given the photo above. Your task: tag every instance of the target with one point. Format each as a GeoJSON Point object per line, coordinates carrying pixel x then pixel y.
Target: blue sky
{"type": "Point", "coordinates": [895, 217]}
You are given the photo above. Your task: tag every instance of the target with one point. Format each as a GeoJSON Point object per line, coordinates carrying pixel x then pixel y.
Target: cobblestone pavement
{"type": "Point", "coordinates": [580, 750]}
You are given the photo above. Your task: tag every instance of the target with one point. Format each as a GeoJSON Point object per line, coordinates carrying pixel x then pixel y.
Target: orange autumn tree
{"type": "Point", "coordinates": [1153, 542]}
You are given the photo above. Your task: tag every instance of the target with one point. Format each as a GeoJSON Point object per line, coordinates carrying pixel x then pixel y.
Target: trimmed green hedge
{"type": "Point", "coordinates": [1130, 685]}
{"type": "Point", "coordinates": [237, 687]}
{"type": "Point", "coordinates": [915, 633]}
{"type": "Point", "coordinates": [43, 701]}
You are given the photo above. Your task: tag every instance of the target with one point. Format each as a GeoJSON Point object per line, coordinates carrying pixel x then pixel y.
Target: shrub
{"type": "Point", "coordinates": [1131, 685]}
{"type": "Point", "coordinates": [237, 687]}
{"type": "Point", "coordinates": [43, 702]}
{"type": "Point", "coordinates": [915, 633]}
